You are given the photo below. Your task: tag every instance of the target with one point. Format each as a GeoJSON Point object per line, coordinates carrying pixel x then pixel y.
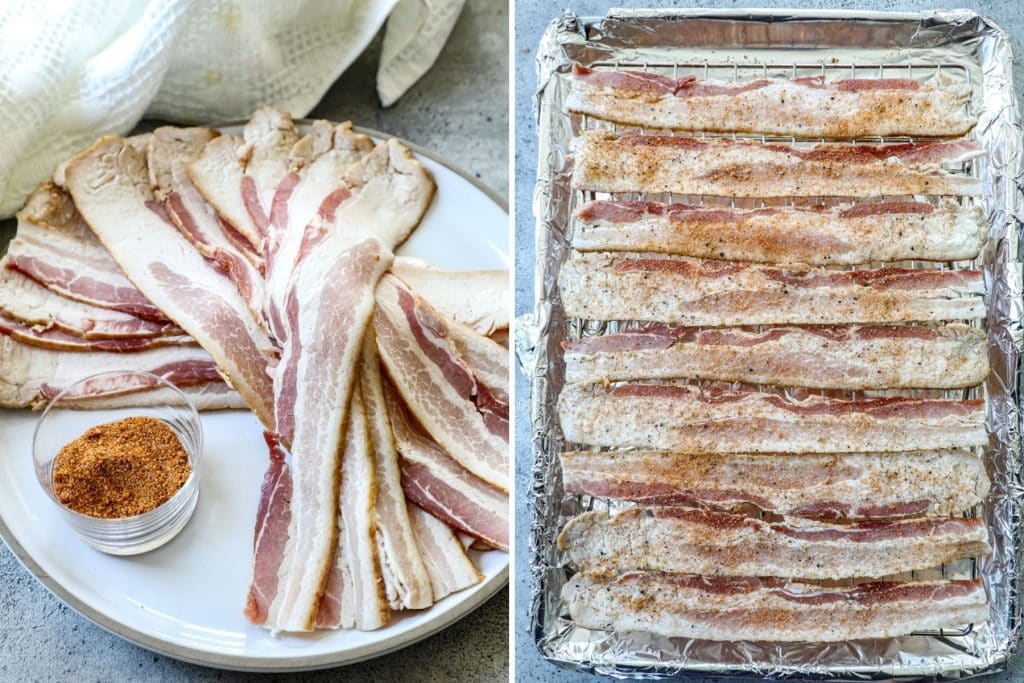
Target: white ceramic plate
{"type": "Point", "coordinates": [185, 599]}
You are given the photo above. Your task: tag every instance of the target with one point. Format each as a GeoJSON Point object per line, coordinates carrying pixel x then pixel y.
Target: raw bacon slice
{"type": "Point", "coordinates": [439, 387]}
{"type": "Point", "coordinates": [110, 186]}
{"type": "Point", "coordinates": [746, 168]}
{"type": "Point", "coordinates": [386, 192]}
{"type": "Point", "coordinates": [317, 162]}
{"type": "Point", "coordinates": [26, 301]}
{"type": "Point", "coordinates": [768, 609]}
{"type": "Point", "coordinates": [406, 579]}
{"type": "Point", "coordinates": [324, 340]}
{"type": "Point", "coordinates": [836, 235]}
{"type": "Point", "coordinates": [239, 177]}
{"type": "Point", "coordinates": [688, 291]}
{"type": "Point", "coordinates": [273, 517]}
{"type": "Point", "coordinates": [170, 150]}
{"type": "Point", "coordinates": [59, 340]}
{"type": "Point", "coordinates": [56, 248]}
{"type": "Point", "coordinates": [690, 541]}
{"type": "Point", "coordinates": [853, 486]}
{"type": "Point", "coordinates": [858, 357]}
{"type": "Point", "coordinates": [354, 595]}
{"type": "Point", "coordinates": [449, 567]}
{"type": "Point", "coordinates": [214, 395]}
{"type": "Point", "coordinates": [30, 375]}
{"type": "Point", "coordinates": [693, 420]}
{"type": "Point", "coordinates": [478, 299]}
{"type": "Point", "coordinates": [804, 107]}
{"type": "Point", "coordinates": [433, 480]}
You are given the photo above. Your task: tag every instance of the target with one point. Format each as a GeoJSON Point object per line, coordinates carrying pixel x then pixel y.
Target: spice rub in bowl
{"type": "Point", "coordinates": [121, 469]}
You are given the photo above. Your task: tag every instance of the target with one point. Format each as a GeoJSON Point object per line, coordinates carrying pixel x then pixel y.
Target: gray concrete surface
{"type": "Point", "coordinates": [459, 110]}
{"type": "Point", "coordinates": [531, 19]}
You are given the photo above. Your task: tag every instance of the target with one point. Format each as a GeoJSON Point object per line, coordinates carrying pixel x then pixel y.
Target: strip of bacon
{"type": "Point", "coordinates": [746, 168]}
{"type": "Point", "coordinates": [110, 186]}
{"type": "Point", "coordinates": [328, 307]}
{"type": "Point", "coordinates": [433, 480]}
{"type": "Point", "coordinates": [836, 235]}
{"type": "Point", "coordinates": [273, 517]}
{"type": "Point", "coordinates": [439, 387]}
{"type": "Point", "coordinates": [447, 563]}
{"type": "Point", "coordinates": [239, 177]}
{"type": "Point", "coordinates": [768, 609]}
{"type": "Point", "coordinates": [951, 356]}
{"type": "Point", "coordinates": [478, 299]}
{"type": "Point", "coordinates": [213, 395]}
{"type": "Point", "coordinates": [31, 304]}
{"type": "Point", "coordinates": [386, 189]}
{"type": "Point", "coordinates": [354, 595]}
{"type": "Point", "coordinates": [324, 340]}
{"type": "Point", "coordinates": [51, 248]}
{"type": "Point", "coordinates": [852, 486]}
{"type": "Point", "coordinates": [688, 291]}
{"type": "Point", "coordinates": [693, 420]}
{"type": "Point", "coordinates": [406, 579]}
{"type": "Point", "coordinates": [170, 150]}
{"type": "Point", "coordinates": [59, 340]}
{"type": "Point", "coordinates": [316, 162]}
{"type": "Point", "coordinates": [690, 541]}
{"type": "Point", "coordinates": [804, 107]}
{"type": "Point", "coordinates": [31, 375]}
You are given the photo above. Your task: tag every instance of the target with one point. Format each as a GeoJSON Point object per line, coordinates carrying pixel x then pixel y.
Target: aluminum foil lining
{"type": "Point", "coordinates": [958, 40]}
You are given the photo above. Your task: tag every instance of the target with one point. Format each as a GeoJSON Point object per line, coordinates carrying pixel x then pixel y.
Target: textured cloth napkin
{"type": "Point", "coordinates": [73, 70]}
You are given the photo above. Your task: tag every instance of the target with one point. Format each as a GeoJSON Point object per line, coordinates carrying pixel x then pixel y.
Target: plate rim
{"type": "Point", "coordinates": [248, 663]}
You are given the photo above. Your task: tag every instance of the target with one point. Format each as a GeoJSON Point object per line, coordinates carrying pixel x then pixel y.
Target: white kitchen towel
{"type": "Point", "coordinates": [73, 70]}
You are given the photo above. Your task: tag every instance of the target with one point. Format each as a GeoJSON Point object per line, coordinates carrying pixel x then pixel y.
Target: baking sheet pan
{"type": "Point", "coordinates": [737, 44]}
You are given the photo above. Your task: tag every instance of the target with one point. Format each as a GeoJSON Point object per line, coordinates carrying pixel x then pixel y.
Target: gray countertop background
{"type": "Point", "coordinates": [460, 111]}
{"type": "Point", "coordinates": [531, 19]}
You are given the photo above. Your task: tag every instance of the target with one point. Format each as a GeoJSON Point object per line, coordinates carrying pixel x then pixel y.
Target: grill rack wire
{"type": "Point", "coordinates": [731, 71]}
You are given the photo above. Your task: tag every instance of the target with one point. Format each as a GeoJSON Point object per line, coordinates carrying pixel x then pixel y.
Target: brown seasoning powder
{"type": "Point", "coordinates": [121, 469]}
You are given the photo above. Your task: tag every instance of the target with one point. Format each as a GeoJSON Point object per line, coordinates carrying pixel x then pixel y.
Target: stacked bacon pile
{"type": "Point", "coordinates": [784, 391]}
{"type": "Point", "coordinates": [258, 272]}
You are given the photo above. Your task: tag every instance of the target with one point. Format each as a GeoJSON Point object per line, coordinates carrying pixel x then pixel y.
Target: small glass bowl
{"type": "Point", "coordinates": [64, 420]}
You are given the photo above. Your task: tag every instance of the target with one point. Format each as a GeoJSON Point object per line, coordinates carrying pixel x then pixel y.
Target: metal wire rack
{"type": "Point", "coordinates": [733, 72]}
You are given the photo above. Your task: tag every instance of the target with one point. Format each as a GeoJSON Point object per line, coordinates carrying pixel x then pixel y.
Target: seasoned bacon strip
{"type": "Point", "coordinates": [439, 387]}
{"type": "Point", "coordinates": [746, 168]}
{"type": "Point", "coordinates": [26, 301]}
{"type": "Point", "coordinates": [768, 609]}
{"type": "Point", "coordinates": [354, 595]}
{"type": "Point", "coordinates": [239, 177]}
{"type": "Point", "coordinates": [170, 151]}
{"type": "Point", "coordinates": [32, 375]}
{"type": "Point", "coordinates": [433, 480]}
{"type": "Point", "coordinates": [449, 567]}
{"type": "Point", "coordinates": [693, 420]}
{"type": "Point", "coordinates": [818, 235]}
{"type": "Point", "coordinates": [805, 107]}
{"type": "Point", "coordinates": [854, 485]}
{"type": "Point", "coordinates": [109, 183]}
{"type": "Point", "coordinates": [690, 541]}
{"type": "Point", "coordinates": [405, 577]}
{"type": "Point", "coordinates": [857, 357]}
{"type": "Point", "coordinates": [694, 292]}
